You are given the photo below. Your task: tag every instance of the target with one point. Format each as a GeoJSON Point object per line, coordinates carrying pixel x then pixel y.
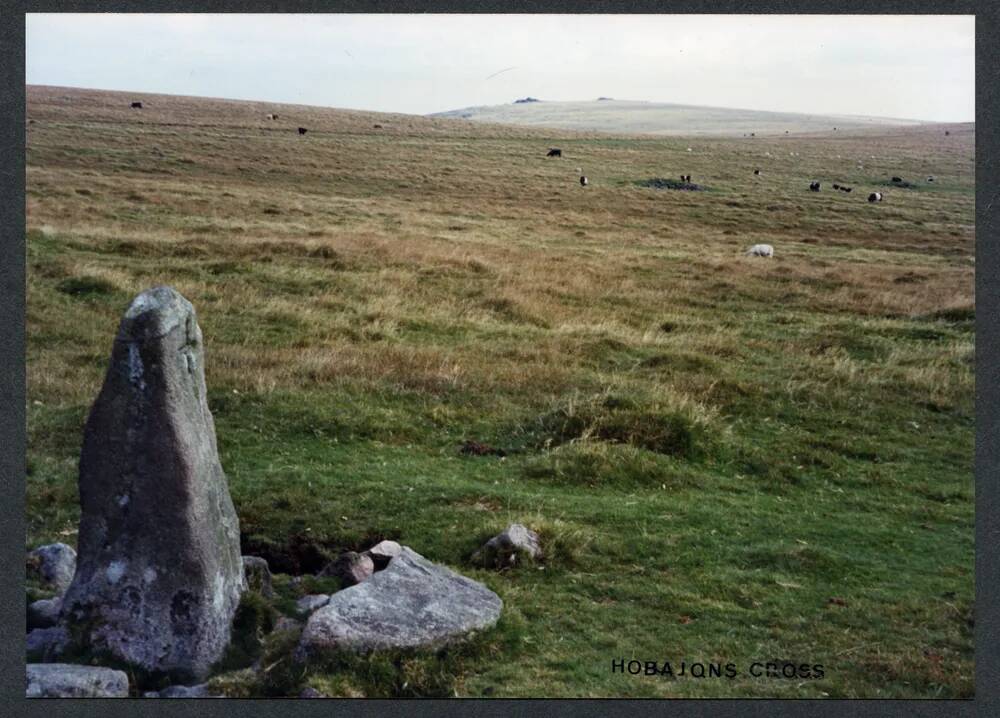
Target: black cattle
{"type": "Point", "coordinates": [377, 127]}
{"type": "Point", "coordinates": [302, 130]}
{"type": "Point", "coordinates": [583, 181]}
{"type": "Point", "coordinates": [814, 186]}
{"type": "Point", "coordinates": [756, 172]}
{"type": "Point", "coordinates": [836, 186]}
{"type": "Point", "coordinates": [136, 105]}
{"type": "Point", "coordinates": [875, 197]}
{"type": "Point", "coordinates": [554, 152]}
{"type": "Point", "coordinates": [897, 179]}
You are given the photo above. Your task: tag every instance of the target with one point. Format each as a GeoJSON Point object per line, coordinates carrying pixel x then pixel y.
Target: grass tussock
{"type": "Point", "coordinates": [667, 424]}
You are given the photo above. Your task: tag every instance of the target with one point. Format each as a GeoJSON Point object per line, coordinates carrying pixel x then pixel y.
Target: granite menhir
{"type": "Point", "coordinates": [158, 574]}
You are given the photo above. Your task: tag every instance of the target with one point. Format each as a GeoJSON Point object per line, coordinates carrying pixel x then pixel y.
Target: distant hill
{"type": "Point", "coordinates": [624, 116]}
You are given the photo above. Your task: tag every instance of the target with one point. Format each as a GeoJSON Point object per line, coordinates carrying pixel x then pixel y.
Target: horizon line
{"type": "Point", "coordinates": [469, 107]}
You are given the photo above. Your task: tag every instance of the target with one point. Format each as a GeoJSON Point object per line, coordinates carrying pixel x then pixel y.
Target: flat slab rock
{"type": "Point", "coordinates": [413, 603]}
{"type": "Point", "coordinates": [64, 680]}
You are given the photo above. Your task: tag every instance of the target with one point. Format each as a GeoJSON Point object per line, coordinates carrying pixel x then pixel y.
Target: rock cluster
{"type": "Point", "coordinates": [159, 573]}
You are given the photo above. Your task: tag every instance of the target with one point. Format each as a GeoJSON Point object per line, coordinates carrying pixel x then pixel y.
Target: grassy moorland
{"type": "Point", "coordinates": [729, 459]}
{"type": "Point", "coordinates": [660, 118]}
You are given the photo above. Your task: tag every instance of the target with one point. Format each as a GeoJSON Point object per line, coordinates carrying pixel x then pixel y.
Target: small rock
{"type": "Point", "coordinates": [350, 567]}
{"type": "Point", "coordinates": [411, 604]}
{"type": "Point", "coordinates": [311, 693]}
{"type": "Point", "coordinates": [382, 553]}
{"type": "Point", "coordinates": [257, 575]}
{"type": "Point", "coordinates": [308, 604]}
{"type": "Point", "coordinates": [44, 613]}
{"type": "Point", "coordinates": [502, 550]}
{"type": "Point", "coordinates": [46, 644]}
{"type": "Point", "coordinates": [198, 691]}
{"type": "Point", "coordinates": [54, 564]}
{"type": "Point", "coordinates": [284, 623]}
{"type": "Point", "coordinates": [476, 448]}
{"type": "Point", "coordinates": [63, 680]}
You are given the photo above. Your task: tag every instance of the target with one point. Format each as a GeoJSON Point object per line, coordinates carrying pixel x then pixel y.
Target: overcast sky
{"type": "Point", "coordinates": [918, 67]}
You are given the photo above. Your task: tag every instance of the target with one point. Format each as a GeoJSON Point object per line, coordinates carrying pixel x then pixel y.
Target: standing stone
{"type": "Point", "coordinates": [159, 574]}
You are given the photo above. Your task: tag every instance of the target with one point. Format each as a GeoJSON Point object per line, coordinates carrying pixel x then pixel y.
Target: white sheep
{"type": "Point", "coordinates": [761, 250]}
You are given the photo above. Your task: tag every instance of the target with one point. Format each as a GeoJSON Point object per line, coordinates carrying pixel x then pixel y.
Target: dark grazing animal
{"type": "Point", "coordinates": [302, 130]}
{"type": "Point", "coordinates": [136, 105]}
{"type": "Point", "coordinates": [756, 172]}
{"type": "Point", "coordinates": [583, 181]}
{"type": "Point", "coordinates": [897, 179]}
{"type": "Point", "coordinates": [836, 186]}
{"type": "Point", "coordinates": [875, 197]}
{"type": "Point", "coordinates": [554, 152]}
{"type": "Point", "coordinates": [377, 127]}
{"type": "Point", "coordinates": [842, 188]}
{"type": "Point", "coordinates": [814, 186]}
{"type": "Point", "coordinates": [946, 133]}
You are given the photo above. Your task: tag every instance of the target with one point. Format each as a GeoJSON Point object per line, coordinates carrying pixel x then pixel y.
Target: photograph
{"type": "Point", "coordinates": [499, 356]}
